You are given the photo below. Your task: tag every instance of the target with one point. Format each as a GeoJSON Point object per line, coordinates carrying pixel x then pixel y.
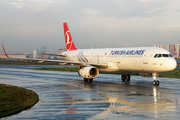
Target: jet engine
{"type": "Point", "coordinates": [89, 72]}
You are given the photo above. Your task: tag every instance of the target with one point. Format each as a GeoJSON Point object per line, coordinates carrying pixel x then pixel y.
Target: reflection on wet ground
{"type": "Point", "coordinates": [64, 95]}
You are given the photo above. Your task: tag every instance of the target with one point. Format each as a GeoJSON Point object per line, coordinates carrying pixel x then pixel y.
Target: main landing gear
{"type": "Point", "coordinates": [155, 82]}
{"type": "Point", "coordinates": [86, 80]}
{"type": "Point", "coordinates": [125, 77]}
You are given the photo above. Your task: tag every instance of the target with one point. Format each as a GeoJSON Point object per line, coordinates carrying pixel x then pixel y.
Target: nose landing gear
{"type": "Point", "coordinates": [125, 77]}
{"type": "Point", "coordinates": [86, 80]}
{"type": "Point", "coordinates": [155, 82]}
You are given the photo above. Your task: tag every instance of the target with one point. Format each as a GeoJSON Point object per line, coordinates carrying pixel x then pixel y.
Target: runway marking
{"type": "Point", "coordinates": [58, 91]}
{"type": "Point", "coordinates": [69, 109]}
{"type": "Point", "coordinates": [76, 101]}
{"type": "Point", "coordinates": [110, 99]}
{"type": "Point", "coordinates": [56, 103]}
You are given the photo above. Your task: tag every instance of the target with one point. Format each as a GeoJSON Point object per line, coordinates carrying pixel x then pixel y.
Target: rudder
{"type": "Point", "coordinates": [68, 39]}
{"type": "Point", "coordinates": [175, 50]}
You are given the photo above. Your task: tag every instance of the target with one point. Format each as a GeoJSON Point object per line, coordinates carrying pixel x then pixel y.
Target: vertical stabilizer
{"type": "Point", "coordinates": [175, 52]}
{"type": "Point", "coordinates": [4, 50]}
{"type": "Point", "coordinates": [68, 39]}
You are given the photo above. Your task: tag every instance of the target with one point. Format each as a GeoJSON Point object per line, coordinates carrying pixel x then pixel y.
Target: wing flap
{"type": "Point", "coordinates": [99, 65]}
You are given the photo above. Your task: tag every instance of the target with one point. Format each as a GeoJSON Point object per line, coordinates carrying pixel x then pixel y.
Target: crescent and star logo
{"type": "Point", "coordinates": [68, 42]}
{"type": "Point", "coordinates": [67, 38]}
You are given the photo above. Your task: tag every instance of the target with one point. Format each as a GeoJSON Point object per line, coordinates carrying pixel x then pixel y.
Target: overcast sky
{"type": "Point", "coordinates": [29, 24]}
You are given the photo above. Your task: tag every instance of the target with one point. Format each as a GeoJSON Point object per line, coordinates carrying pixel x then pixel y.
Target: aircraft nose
{"type": "Point", "coordinates": [171, 64]}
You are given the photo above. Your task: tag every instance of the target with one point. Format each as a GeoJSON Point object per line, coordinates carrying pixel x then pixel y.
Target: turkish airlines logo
{"type": "Point", "coordinates": [68, 41]}
{"type": "Point", "coordinates": [81, 57]}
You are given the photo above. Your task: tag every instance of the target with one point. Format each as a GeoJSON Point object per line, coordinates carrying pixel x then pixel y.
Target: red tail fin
{"type": "Point", "coordinates": [4, 50]}
{"type": "Point", "coordinates": [68, 39]}
{"type": "Point", "coordinates": [175, 50]}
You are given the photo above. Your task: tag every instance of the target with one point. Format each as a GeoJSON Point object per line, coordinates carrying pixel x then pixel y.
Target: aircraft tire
{"type": "Point", "coordinates": [123, 77]}
{"type": "Point", "coordinates": [156, 83]}
{"type": "Point", "coordinates": [90, 80]}
{"type": "Point", "coordinates": [128, 77]}
{"type": "Point", "coordinates": [85, 80]}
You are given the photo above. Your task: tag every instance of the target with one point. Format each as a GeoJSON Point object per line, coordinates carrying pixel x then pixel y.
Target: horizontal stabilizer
{"type": "Point", "coordinates": [52, 54]}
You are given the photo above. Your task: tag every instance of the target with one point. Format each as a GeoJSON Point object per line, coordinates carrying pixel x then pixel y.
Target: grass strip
{"type": "Point", "coordinates": [15, 99]}
{"type": "Point", "coordinates": [173, 74]}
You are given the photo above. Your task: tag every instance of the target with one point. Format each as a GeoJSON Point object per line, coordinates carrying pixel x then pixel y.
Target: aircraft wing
{"type": "Point", "coordinates": [61, 62]}
{"type": "Point", "coordinates": [64, 62]}
{"type": "Point", "coordinates": [52, 54]}
{"type": "Point", "coordinates": [99, 65]}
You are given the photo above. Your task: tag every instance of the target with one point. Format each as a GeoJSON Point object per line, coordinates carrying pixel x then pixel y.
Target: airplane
{"type": "Point", "coordinates": [147, 61]}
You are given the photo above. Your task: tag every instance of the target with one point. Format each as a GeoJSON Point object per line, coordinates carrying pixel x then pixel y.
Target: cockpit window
{"type": "Point", "coordinates": [162, 55]}
{"type": "Point", "coordinates": [170, 55]}
{"type": "Point", "coordinates": [159, 55]}
{"type": "Point", "coordinates": [155, 55]}
{"type": "Point", "coordinates": [165, 55]}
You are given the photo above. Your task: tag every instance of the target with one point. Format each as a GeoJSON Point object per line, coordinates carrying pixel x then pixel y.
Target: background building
{"type": "Point", "coordinates": [178, 49]}
{"type": "Point", "coordinates": [43, 49]}
{"type": "Point", "coordinates": [35, 54]}
{"type": "Point", "coordinates": [43, 52]}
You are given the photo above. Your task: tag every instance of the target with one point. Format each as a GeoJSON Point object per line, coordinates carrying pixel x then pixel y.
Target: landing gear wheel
{"type": "Point", "coordinates": [156, 83]}
{"type": "Point", "coordinates": [128, 77]}
{"type": "Point", "coordinates": [85, 80]}
{"type": "Point", "coordinates": [123, 77]}
{"type": "Point", "coordinates": [90, 80]}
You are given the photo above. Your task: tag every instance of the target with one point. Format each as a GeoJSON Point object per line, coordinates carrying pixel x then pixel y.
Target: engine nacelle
{"type": "Point", "coordinates": [89, 72]}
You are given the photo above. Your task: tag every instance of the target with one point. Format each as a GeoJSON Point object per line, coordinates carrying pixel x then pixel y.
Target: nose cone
{"type": "Point", "coordinates": [171, 64]}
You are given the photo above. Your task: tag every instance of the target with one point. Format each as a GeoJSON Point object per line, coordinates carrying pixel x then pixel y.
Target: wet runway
{"type": "Point", "coordinates": [64, 95]}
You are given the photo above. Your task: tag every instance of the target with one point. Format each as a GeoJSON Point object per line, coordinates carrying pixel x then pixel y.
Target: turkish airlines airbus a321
{"type": "Point", "coordinates": [147, 61]}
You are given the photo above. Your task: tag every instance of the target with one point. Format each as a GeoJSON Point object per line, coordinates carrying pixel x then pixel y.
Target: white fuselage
{"type": "Point", "coordinates": [140, 59]}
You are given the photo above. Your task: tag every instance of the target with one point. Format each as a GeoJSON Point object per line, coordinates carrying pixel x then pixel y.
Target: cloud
{"type": "Point", "coordinates": [113, 22]}
{"type": "Point", "coordinates": [34, 5]}
{"type": "Point", "coordinates": [90, 12]}
{"type": "Point", "coordinates": [18, 3]}
{"type": "Point", "coordinates": [127, 44]}
{"type": "Point", "coordinates": [153, 10]}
